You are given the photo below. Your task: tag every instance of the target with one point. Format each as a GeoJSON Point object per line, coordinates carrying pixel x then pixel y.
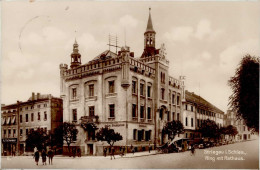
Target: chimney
{"type": "Point", "coordinates": [33, 96]}
{"type": "Point", "coordinates": [38, 96]}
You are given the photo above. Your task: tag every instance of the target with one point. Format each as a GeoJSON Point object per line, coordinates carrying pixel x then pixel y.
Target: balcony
{"type": "Point", "coordinates": [89, 119]}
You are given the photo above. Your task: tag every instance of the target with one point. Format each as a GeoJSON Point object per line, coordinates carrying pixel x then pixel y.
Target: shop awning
{"type": "Point", "coordinates": [3, 120]}
{"type": "Point", "coordinates": [13, 120]}
{"type": "Point", "coordinates": [8, 120]}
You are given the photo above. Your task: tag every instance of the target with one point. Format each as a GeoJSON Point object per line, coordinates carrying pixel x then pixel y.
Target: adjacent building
{"type": "Point", "coordinates": [244, 132]}
{"type": "Point", "coordinates": [40, 111]}
{"type": "Point", "coordinates": [135, 96]}
{"type": "Point", "coordinates": [196, 110]}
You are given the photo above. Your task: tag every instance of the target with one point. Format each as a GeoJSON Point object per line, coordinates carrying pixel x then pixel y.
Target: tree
{"type": "Point", "coordinates": [245, 86]}
{"type": "Point", "coordinates": [173, 128]}
{"type": "Point", "coordinates": [56, 138]}
{"type": "Point", "coordinates": [231, 130]}
{"type": "Point", "coordinates": [108, 135]}
{"type": "Point", "coordinates": [209, 129]}
{"type": "Point", "coordinates": [36, 138]}
{"type": "Point", "coordinates": [69, 133]}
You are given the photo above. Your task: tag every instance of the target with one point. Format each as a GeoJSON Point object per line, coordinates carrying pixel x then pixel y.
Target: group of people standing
{"type": "Point", "coordinates": [44, 156]}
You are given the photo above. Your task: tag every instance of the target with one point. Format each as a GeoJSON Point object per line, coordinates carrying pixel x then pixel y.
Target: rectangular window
{"type": "Point", "coordinates": [149, 116]}
{"type": "Point", "coordinates": [4, 133]}
{"type": "Point", "coordinates": [45, 116]}
{"type": "Point", "coordinates": [142, 112]}
{"type": "Point", "coordinates": [21, 132]}
{"type": "Point", "coordinates": [186, 122]}
{"type": "Point", "coordinates": [168, 116]}
{"type": "Point", "coordinates": [134, 110]}
{"type": "Point", "coordinates": [91, 111]}
{"type": "Point", "coordinates": [39, 116]}
{"type": "Point", "coordinates": [148, 135]}
{"type": "Point", "coordinates": [27, 131]}
{"type": "Point", "coordinates": [178, 116]}
{"type": "Point", "coordinates": [26, 108]}
{"type": "Point", "coordinates": [91, 90]}
{"type": "Point", "coordinates": [74, 93]}
{"type": "Point", "coordinates": [111, 86]}
{"type": "Point", "coordinates": [32, 117]}
{"type": "Point", "coordinates": [173, 116]}
{"type": "Point", "coordinates": [74, 114]}
{"type": "Point", "coordinates": [134, 87]}
{"type": "Point", "coordinates": [112, 110]}
{"type": "Point", "coordinates": [45, 105]}
{"type": "Point", "coordinates": [192, 108]}
{"type": "Point", "coordinates": [162, 94]}
{"type": "Point", "coordinates": [140, 135]}
{"type": "Point", "coordinates": [198, 123]}
{"type": "Point", "coordinates": [178, 100]}
{"type": "Point", "coordinates": [21, 118]}
{"type": "Point", "coordinates": [32, 107]}
{"type": "Point", "coordinates": [148, 91]}
{"type": "Point", "coordinates": [39, 106]}
{"type": "Point", "coordinates": [134, 134]}
{"type": "Point", "coordinates": [173, 98]}
{"type": "Point", "coordinates": [186, 106]}
{"type": "Point", "coordinates": [9, 132]}
{"type": "Point", "coordinates": [142, 89]}
{"type": "Point", "coordinates": [191, 122]}
{"type": "Point", "coordinates": [26, 117]}
{"type": "Point", "coordinates": [14, 132]}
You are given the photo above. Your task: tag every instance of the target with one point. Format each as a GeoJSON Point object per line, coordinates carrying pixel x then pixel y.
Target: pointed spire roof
{"type": "Point", "coordinates": [75, 47]}
{"type": "Point", "coordinates": [149, 23]}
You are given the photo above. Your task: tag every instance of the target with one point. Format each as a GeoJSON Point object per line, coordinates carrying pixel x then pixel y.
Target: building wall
{"type": "Point", "coordinates": [9, 129]}
{"type": "Point", "coordinates": [48, 105]}
{"type": "Point", "coordinates": [244, 133]}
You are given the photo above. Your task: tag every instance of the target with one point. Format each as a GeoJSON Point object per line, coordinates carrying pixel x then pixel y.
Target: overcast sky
{"type": "Point", "coordinates": [204, 41]}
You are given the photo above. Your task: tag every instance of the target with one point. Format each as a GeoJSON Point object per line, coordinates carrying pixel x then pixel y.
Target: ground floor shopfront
{"type": "Point", "coordinates": [9, 146]}
{"type": "Point", "coordinates": [136, 136]}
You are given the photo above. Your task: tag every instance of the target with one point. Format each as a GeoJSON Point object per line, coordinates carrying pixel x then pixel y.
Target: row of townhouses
{"type": "Point", "coordinates": [39, 111]}
{"type": "Point", "coordinates": [136, 96]}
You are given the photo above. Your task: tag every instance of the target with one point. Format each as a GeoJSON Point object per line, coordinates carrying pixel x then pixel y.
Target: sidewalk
{"type": "Point", "coordinates": [128, 155]}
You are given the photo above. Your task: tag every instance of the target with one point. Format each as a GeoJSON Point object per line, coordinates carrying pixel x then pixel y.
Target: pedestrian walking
{"type": "Point", "coordinates": [79, 152]}
{"type": "Point", "coordinates": [192, 150]}
{"type": "Point", "coordinates": [105, 151]}
{"type": "Point", "coordinates": [150, 148]}
{"type": "Point", "coordinates": [36, 156]}
{"type": "Point", "coordinates": [112, 152]}
{"type": "Point", "coordinates": [50, 155]}
{"type": "Point", "coordinates": [44, 155]}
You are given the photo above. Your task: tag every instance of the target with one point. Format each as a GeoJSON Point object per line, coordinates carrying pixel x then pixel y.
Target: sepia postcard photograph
{"type": "Point", "coordinates": [129, 84]}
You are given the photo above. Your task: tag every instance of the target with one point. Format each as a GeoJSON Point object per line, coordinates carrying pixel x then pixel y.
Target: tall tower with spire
{"type": "Point", "coordinates": [75, 56]}
{"type": "Point", "coordinates": [149, 39]}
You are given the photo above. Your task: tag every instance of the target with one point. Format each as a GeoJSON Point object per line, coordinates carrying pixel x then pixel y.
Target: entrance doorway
{"type": "Point", "coordinates": [90, 149]}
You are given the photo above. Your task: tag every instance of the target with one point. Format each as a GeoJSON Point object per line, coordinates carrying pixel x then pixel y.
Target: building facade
{"type": "Point", "coordinates": [244, 132]}
{"type": "Point", "coordinates": [135, 96]}
{"type": "Point", "coordinates": [195, 111]}
{"type": "Point", "coordinates": [40, 111]}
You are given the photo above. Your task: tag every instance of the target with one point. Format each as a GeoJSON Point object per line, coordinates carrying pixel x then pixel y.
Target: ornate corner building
{"type": "Point", "coordinates": [135, 96]}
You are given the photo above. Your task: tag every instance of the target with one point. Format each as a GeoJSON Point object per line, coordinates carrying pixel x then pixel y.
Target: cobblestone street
{"type": "Point", "coordinates": [202, 159]}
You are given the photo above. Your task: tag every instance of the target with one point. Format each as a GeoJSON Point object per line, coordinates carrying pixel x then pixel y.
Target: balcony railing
{"type": "Point", "coordinates": [89, 119]}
